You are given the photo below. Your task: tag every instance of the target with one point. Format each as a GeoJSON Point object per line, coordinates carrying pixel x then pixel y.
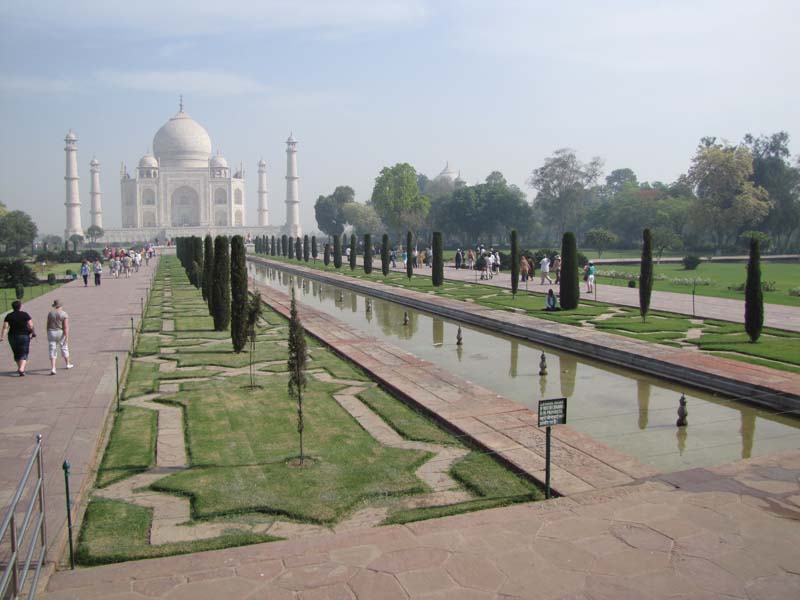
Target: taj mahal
{"type": "Point", "coordinates": [181, 189]}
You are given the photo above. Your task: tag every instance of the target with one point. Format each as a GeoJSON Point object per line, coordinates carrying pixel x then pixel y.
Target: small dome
{"type": "Point", "coordinates": [71, 136]}
{"type": "Point", "coordinates": [94, 162]}
{"type": "Point", "coordinates": [291, 139]}
{"type": "Point", "coordinates": [448, 172]}
{"type": "Point", "coordinates": [262, 163]}
{"type": "Point", "coordinates": [182, 142]}
{"type": "Point", "coordinates": [219, 162]}
{"type": "Point", "coordinates": [148, 161]}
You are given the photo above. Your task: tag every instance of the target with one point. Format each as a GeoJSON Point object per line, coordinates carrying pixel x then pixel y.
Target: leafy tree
{"type": "Point", "coordinates": [367, 253]}
{"type": "Point", "coordinates": [76, 239]}
{"type": "Point", "coordinates": [253, 314]}
{"type": "Point", "coordinates": [773, 172]}
{"type": "Point", "coordinates": [646, 274]}
{"type": "Point", "coordinates": [409, 261]}
{"type": "Point", "coordinates": [727, 200]}
{"type": "Point", "coordinates": [208, 270]}
{"type": "Point", "coordinates": [328, 210]}
{"type": "Point", "coordinates": [94, 233]}
{"type": "Point", "coordinates": [326, 256]}
{"type": "Point", "coordinates": [665, 239]}
{"type": "Point", "coordinates": [221, 287]}
{"type": "Point", "coordinates": [600, 239]}
{"type": "Point", "coordinates": [306, 248]}
{"type": "Point", "coordinates": [618, 180]}
{"type": "Point", "coordinates": [362, 217]}
{"type": "Point", "coordinates": [437, 276]}
{"type": "Point", "coordinates": [753, 295]}
{"type": "Point", "coordinates": [3, 210]}
{"type": "Point", "coordinates": [297, 367]}
{"type": "Point", "coordinates": [514, 262]}
{"type": "Point", "coordinates": [385, 254]}
{"type": "Point", "coordinates": [569, 288]}
{"type": "Point", "coordinates": [397, 199]}
{"type": "Point", "coordinates": [238, 294]}
{"type": "Point", "coordinates": [314, 247]}
{"type": "Point", "coordinates": [16, 272]}
{"type": "Point", "coordinates": [17, 231]}
{"type": "Point", "coordinates": [337, 251]}
{"type": "Point", "coordinates": [562, 184]}
{"type": "Point", "coordinates": [52, 243]}
{"type": "Point", "coordinates": [353, 252]}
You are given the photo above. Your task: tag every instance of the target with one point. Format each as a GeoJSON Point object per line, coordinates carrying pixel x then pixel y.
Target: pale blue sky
{"type": "Point", "coordinates": [363, 84]}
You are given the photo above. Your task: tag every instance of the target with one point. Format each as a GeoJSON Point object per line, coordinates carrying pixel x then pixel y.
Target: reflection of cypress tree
{"type": "Point", "coordinates": [680, 436]}
{"type": "Point", "coordinates": [438, 331]}
{"type": "Point", "coordinates": [543, 386]}
{"type": "Point", "coordinates": [514, 361]}
{"type": "Point", "coordinates": [747, 431]}
{"type": "Point", "coordinates": [643, 399]}
{"type": "Point", "coordinates": [353, 302]}
{"type": "Point", "coordinates": [568, 367]}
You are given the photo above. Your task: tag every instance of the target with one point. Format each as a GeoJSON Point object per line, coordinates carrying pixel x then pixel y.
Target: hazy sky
{"type": "Point", "coordinates": [486, 85]}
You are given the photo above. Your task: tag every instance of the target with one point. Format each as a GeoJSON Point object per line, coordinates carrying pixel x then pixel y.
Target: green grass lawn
{"type": "Point", "coordinates": [8, 295]}
{"type": "Point", "coordinates": [241, 443]}
{"type": "Point", "coordinates": [719, 277]}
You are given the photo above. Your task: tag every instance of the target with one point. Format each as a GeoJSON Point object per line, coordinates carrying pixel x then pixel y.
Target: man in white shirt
{"type": "Point", "coordinates": [544, 265]}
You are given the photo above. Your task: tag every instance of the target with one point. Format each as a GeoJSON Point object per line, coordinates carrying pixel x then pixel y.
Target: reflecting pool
{"type": "Point", "coordinates": [631, 412]}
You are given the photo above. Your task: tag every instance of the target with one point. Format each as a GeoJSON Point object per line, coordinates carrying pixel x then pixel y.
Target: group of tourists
{"type": "Point", "coordinates": [18, 324]}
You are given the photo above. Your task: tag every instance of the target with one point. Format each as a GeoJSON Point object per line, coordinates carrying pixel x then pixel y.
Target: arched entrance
{"type": "Point", "coordinates": [185, 207]}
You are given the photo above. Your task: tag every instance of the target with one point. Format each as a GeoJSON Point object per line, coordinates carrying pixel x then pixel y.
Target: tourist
{"type": "Point", "coordinates": [557, 268]}
{"type": "Point", "coordinates": [421, 258]}
{"type": "Point", "coordinates": [590, 277]}
{"type": "Point", "coordinates": [85, 272]}
{"type": "Point", "coordinates": [405, 257]}
{"type": "Point", "coordinates": [496, 262]}
{"type": "Point", "coordinates": [393, 258]}
{"type": "Point", "coordinates": [523, 268]}
{"type": "Point", "coordinates": [490, 265]}
{"type": "Point", "coordinates": [19, 326]}
{"type": "Point", "coordinates": [137, 261]}
{"type": "Point", "coordinates": [550, 302]}
{"type": "Point", "coordinates": [459, 259]}
{"type": "Point", "coordinates": [98, 271]}
{"type": "Point", "coordinates": [415, 258]}
{"type": "Point", "coordinates": [470, 259]}
{"type": "Point", "coordinates": [126, 265]}
{"type": "Point", "coordinates": [544, 265]}
{"type": "Point", "coordinates": [117, 267]}
{"type": "Point", "coordinates": [58, 335]}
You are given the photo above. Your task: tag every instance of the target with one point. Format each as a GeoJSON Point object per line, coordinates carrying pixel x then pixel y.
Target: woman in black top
{"type": "Point", "coordinates": [20, 331]}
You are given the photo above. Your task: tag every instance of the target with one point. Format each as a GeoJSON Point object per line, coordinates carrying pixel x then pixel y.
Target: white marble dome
{"type": "Point", "coordinates": [148, 161]}
{"type": "Point", "coordinates": [219, 162]}
{"type": "Point", "coordinates": [182, 142]}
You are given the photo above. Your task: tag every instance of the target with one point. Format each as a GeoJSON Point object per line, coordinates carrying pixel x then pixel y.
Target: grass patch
{"type": "Point", "coordinates": [141, 380]}
{"type": "Point", "coordinates": [758, 361]}
{"type": "Point", "coordinates": [782, 349]}
{"type": "Point", "coordinates": [486, 477]}
{"type": "Point", "coordinates": [653, 324]}
{"type": "Point", "coordinates": [132, 446]}
{"type": "Point", "coordinates": [101, 542]}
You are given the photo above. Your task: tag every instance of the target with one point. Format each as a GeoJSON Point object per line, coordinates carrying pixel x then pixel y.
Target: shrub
{"type": "Point", "coordinates": [794, 291]}
{"type": "Point", "coordinates": [631, 283]}
{"type": "Point", "coordinates": [19, 291]}
{"type": "Point", "coordinates": [569, 290]}
{"type": "Point", "coordinates": [51, 278]}
{"type": "Point", "coordinates": [691, 262]}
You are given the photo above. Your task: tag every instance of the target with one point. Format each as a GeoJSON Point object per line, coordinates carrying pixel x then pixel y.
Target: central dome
{"type": "Point", "coordinates": [182, 142]}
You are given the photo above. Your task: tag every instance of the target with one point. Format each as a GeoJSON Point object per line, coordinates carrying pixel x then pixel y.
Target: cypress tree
{"type": "Point", "coordinates": [367, 253]}
{"type": "Point", "coordinates": [409, 264]}
{"type": "Point", "coordinates": [197, 260]}
{"type": "Point", "coordinates": [257, 243]}
{"type": "Point", "coordinates": [326, 256]}
{"type": "Point", "coordinates": [514, 262]}
{"type": "Point", "coordinates": [272, 246]}
{"type": "Point", "coordinates": [646, 274]}
{"type": "Point", "coordinates": [314, 247]}
{"type": "Point", "coordinates": [569, 290]}
{"type": "Point", "coordinates": [284, 245]}
{"type": "Point", "coordinates": [291, 247]}
{"type": "Point", "coordinates": [297, 366]}
{"type": "Point", "coordinates": [305, 248]}
{"type": "Point", "coordinates": [238, 294]}
{"type": "Point", "coordinates": [221, 286]}
{"type": "Point", "coordinates": [385, 254]}
{"type": "Point", "coordinates": [337, 251]}
{"type": "Point", "coordinates": [753, 294]}
{"type": "Point", "coordinates": [437, 276]}
{"type": "Point", "coordinates": [298, 248]}
{"type": "Point", "coordinates": [208, 269]}
{"type": "Point", "coordinates": [352, 252]}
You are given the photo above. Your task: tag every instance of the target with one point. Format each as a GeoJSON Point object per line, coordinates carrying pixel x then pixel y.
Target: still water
{"type": "Point", "coordinates": [628, 411]}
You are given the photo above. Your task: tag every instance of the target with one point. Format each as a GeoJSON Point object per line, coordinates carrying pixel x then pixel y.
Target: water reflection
{"type": "Point", "coordinates": [628, 411]}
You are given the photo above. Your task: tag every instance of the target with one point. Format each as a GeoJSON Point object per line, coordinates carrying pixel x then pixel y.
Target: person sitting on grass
{"type": "Point", "coordinates": [551, 303]}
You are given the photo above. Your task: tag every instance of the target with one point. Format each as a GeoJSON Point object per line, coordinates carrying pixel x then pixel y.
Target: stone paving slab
{"type": "Point", "coordinates": [70, 408]}
{"type": "Point", "coordinates": [451, 401]}
{"type": "Point", "coordinates": [771, 387]}
{"type": "Point", "coordinates": [651, 540]}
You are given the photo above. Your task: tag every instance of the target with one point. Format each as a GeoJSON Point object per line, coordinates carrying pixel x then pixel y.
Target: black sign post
{"type": "Point", "coordinates": [551, 412]}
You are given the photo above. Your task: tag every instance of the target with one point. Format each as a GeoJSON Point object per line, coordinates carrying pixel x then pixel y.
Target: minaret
{"type": "Point", "coordinates": [73, 202]}
{"type": "Point", "coordinates": [96, 195]}
{"type": "Point", "coordinates": [263, 211]}
{"type": "Point", "coordinates": [292, 189]}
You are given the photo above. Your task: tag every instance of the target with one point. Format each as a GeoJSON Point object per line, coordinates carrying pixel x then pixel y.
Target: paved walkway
{"type": "Point", "coordinates": [727, 532]}
{"type": "Point", "coordinates": [775, 315]}
{"type": "Point", "coordinates": [70, 408]}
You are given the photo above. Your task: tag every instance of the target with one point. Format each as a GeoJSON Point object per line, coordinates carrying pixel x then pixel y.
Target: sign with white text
{"type": "Point", "coordinates": [552, 412]}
